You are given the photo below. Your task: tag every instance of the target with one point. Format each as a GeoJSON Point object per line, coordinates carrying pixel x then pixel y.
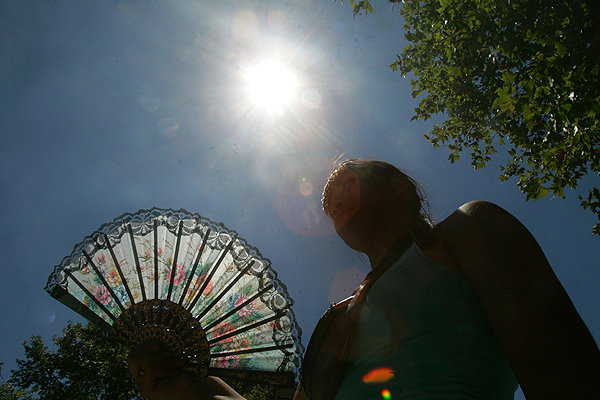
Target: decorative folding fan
{"type": "Point", "coordinates": [191, 283]}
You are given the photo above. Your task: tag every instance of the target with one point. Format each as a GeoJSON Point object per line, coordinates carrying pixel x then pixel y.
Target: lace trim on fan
{"type": "Point", "coordinates": [142, 222]}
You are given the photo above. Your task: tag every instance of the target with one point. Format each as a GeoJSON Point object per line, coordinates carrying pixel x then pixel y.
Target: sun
{"type": "Point", "coordinates": [271, 85]}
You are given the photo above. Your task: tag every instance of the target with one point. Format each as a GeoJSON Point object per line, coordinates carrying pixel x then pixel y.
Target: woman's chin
{"type": "Point", "coordinates": [348, 234]}
{"type": "Point", "coordinates": [342, 220]}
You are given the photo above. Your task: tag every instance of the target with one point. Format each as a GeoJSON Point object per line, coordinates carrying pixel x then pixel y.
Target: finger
{"type": "Point", "coordinates": [162, 366]}
{"type": "Point", "coordinates": [144, 368]}
{"type": "Point", "coordinates": [158, 356]}
{"type": "Point", "coordinates": [175, 362]}
{"type": "Point", "coordinates": [144, 351]}
{"type": "Point", "coordinates": [168, 388]}
{"type": "Point", "coordinates": [140, 372]}
{"type": "Point", "coordinates": [134, 363]}
{"type": "Point", "coordinates": [163, 371]}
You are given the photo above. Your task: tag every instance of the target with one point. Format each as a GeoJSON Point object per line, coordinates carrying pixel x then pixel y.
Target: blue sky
{"type": "Point", "coordinates": [111, 107]}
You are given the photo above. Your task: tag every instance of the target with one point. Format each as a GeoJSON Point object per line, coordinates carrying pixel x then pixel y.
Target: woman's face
{"type": "Point", "coordinates": [359, 215]}
{"type": "Point", "coordinates": [344, 200]}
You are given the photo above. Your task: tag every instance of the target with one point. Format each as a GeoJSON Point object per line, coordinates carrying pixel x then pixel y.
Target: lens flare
{"type": "Point", "coordinates": [150, 102]}
{"type": "Point", "coordinates": [245, 26]}
{"type": "Point", "coordinates": [168, 127]}
{"type": "Point", "coordinates": [386, 394]}
{"type": "Point", "coordinates": [311, 98]}
{"type": "Point", "coordinates": [379, 375]}
{"type": "Point", "coordinates": [306, 188]}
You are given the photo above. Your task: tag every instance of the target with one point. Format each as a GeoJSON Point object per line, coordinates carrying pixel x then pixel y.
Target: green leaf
{"type": "Point", "coordinates": [454, 70]}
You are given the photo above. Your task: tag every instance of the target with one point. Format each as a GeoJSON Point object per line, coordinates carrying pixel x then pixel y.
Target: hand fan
{"type": "Point", "coordinates": [192, 284]}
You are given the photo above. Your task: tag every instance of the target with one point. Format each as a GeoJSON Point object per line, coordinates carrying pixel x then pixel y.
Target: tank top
{"type": "Point", "coordinates": [423, 334]}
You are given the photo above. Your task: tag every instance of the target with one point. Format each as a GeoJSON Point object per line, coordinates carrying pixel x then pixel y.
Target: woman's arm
{"type": "Point", "coordinates": [159, 377]}
{"type": "Point", "coordinates": [550, 349]}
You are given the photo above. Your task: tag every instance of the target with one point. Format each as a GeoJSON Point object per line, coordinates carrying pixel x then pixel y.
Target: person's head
{"type": "Point", "coordinates": [378, 176]}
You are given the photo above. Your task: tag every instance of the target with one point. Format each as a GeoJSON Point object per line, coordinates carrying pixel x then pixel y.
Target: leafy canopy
{"type": "Point", "coordinates": [84, 366]}
{"type": "Point", "coordinates": [9, 392]}
{"type": "Point", "coordinates": [520, 73]}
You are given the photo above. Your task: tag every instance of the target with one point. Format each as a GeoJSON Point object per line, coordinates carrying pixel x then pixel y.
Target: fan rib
{"type": "Point", "coordinates": [101, 276]}
{"type": "Point", "coordinates": [174, 266]}
{"type": "Point", "coordinates": [244, 304]}
{"type": "Point", "coordinates": [192, 274]}
{"type": "Point", "coordinates": [246, 328]}
{"type": "Point", "coordinates": [137, 262]}
{"type": "Point", "coordinates": [156, 258]}
{"type": "Point", "coordinates": [249, 351]}
{"type": "Point", "coordinates": [224, 291]}
{"type": "Point", "coordinates": [118, 266]}
{"type": "Point", "coordinates": [91, 296]}
{"type": "Point", "coordinates": [212, 272]}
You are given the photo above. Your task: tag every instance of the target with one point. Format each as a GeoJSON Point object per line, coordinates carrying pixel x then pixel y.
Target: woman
{"type": "Point", "coordinates": [448, 312]}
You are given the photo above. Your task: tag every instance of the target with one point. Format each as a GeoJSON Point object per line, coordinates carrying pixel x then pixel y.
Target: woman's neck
{"type": "Point", "coordinates": [381, 243]}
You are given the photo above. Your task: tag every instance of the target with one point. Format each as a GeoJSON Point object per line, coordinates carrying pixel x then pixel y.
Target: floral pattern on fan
{"type": "Point", "coordinates": [183, 258]}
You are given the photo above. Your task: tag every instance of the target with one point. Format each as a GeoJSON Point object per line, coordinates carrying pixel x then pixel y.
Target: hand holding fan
{"type": "Point", "coordinates": [191, 283]}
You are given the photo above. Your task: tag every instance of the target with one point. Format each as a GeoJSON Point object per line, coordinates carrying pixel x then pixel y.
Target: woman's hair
{"type": "Point", "coordinates": [366, 170]}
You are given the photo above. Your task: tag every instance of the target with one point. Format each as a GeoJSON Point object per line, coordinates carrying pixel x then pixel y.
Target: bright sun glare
{"type": "Point", "coordinates": [271, 85]}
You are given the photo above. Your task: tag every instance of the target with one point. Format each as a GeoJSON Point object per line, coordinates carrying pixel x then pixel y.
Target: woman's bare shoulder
{"type": "Point", "coordinates": [540, 331]}
{"type": "Point", "coordinates": [478, 214]}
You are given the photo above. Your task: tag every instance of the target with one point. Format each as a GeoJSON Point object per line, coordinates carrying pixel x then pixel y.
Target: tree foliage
{"type": "Point", "coordinates": [9, 392]}
{"type": "Point", "coordinates": [84, 366]}
{"type": "Point", "coordinates": [520, 73]}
